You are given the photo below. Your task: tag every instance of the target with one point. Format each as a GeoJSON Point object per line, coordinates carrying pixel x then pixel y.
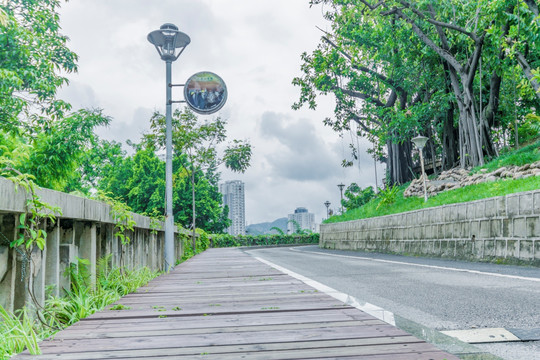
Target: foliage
{"type": "Point", "coordinates": [31, 223]}
{"type": "Point", "coordinates": [298, 229]}
{"type": "Point", "coordinates": [122, 217]}
{"type": "Point", "coordinates": [356, 197]}
{"type": "Point", "coordinates": [278, 230]}
{"type": "Point", "coordinates": [139, 181]}
{"type": "Point", "coordinates": [54, 151]}
{"type": "Point", "coordinates": [462, 73]}
{"type": "Point", "coordinates": [387, 196]}
{"type": "Point", "coordinates": [198, 143]}
{"type": "Point", "coordinates": [465, 194]}
{"type": "Point", "coordinates": [83, 298]}
{"type": "Point", "coordinates": [226, 240]}
{"type": "Point", "coordinates": [32, 54]}
{"type": "Point", "coordinates": [526, 155]}
{"type": "Point", "coordinates": [202, 242]}
{"type": "Point", "coordinates": [17, 333]}
{"type": "Point", "coordinates": [530, 128]}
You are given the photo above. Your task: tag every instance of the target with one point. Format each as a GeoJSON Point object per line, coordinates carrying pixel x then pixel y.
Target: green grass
{"type": "Point", "coordinates": [22, 330]}
{"type": "Point", "coordinates": [464, 194]}
{"type": "Point", "coordinates": [526, 155]}
{"type": "Point", "coordinates": [391, 201]}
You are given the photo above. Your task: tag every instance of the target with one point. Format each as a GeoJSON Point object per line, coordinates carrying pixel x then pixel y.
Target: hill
{"type": "Point", "coordinates": [264, 228]}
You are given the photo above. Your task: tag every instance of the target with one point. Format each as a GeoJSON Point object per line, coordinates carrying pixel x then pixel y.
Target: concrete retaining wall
{"type": "Point", "coordinates": [501, 228]}
{"type": "Point", "coordinates": [84, 230]}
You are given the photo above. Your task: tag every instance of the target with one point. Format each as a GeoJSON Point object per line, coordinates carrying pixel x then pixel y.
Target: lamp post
{"type": "Point", "coordinates": [327, 204]}
{"type": "Point", "coordinates": [420, 141]}
{"type": "Point", "coordinates": [341, 186]}
{"type": "Point", "coordinates": [166, 40]}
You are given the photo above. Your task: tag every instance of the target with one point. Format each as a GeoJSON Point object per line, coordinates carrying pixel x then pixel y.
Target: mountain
{"type": "Point", "coordinates": [264, 228]}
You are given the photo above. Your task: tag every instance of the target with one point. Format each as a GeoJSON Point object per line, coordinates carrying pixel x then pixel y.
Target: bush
{"type": "Point", "coordinates": [226, 240]}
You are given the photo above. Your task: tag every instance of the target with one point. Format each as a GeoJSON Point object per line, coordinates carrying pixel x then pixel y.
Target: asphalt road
{"type": "Point", "coordinates": [430, 294]}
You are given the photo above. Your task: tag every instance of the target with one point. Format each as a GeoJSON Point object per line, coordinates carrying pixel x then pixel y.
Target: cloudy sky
{"type": "Point", "coordinates": [255, 46]}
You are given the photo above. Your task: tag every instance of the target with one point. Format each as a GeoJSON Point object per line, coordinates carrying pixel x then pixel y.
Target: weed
{"type": "Point", "coordinates": [387, 196]}
{"type": "Point", "coordinates": [18, 332]}
{"type": "Point", "coordinates": [85, 296]}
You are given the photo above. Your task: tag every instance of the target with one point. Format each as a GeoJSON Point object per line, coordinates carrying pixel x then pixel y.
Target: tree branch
{"type": "Point", "coordinates": [360, 95]}
{"type": "Point", "coordinates": [373, 7]}
{"type": "Point", "coordinates": [374, 73]}
{"type": "Point", "coordinates": [359, 120]}
{"type": "Point", "coordinates": [431, 20]}
{"type": "Point", "coordinates": [440, 51]}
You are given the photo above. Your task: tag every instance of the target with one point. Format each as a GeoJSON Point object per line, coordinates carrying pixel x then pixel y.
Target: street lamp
{"type": "Point", "coordinates": [341, 186]}
{"type": "Point", "coordinates": [420, 141]}
{"type": "Point", "coordinates": [166, 40]}
{"type": "Point", "coordinates": [327, 204]}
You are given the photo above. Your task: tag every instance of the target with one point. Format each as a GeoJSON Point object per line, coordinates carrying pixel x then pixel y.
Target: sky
{"type": "Point", "coordinates": [255, 47]}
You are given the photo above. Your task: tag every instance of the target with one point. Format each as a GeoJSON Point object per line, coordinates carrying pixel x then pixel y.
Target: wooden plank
{"type": "Point", "coordinates": [224, 304]}
{"type": "Point", "coordinates": [227, 349]}
{"type": "Point", "coordinates": [167, 331]}
{"type": "Point", "coordinates": [141, 342]}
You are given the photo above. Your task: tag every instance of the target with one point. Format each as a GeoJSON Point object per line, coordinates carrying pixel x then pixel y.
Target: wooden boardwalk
{"type": "Point", "coordinates": [225, 304]}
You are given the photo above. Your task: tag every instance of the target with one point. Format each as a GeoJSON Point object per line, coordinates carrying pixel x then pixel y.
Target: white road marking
{"type": "Point", "coordinates": [422, 265]}
{"type": "Point", "coordinates": [371, 309]}
{"type": "Point", "coordinates": [478, 336]}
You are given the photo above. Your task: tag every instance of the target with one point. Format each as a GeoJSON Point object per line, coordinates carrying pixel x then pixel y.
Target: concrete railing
{"type": "Point", "coordinates": [84, 230]}
{"type": "Point", "coordinates": [504, 228]}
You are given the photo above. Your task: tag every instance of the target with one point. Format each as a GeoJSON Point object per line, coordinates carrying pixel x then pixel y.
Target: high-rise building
{"type": "Point", "coordinates": [303, 218]}
{"type": "Point", "coordinates": [233, 197]}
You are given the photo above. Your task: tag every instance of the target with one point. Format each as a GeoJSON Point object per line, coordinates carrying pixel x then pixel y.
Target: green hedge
{"type": "Point", "coordinates": [204, 241]}
{"type": "Point", "coordinates": [226, 240]}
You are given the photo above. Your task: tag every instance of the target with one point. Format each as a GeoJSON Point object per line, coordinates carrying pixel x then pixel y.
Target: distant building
{"type": "Point", "coordinates": [305, 220]}
{"type": "Point", "coordinates": [233, 197]}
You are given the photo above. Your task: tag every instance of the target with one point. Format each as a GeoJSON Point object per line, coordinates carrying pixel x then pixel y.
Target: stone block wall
{"type": "Point", "coordinates": [84, 230]}
{"type": "Point", "coordinates": [506, 227]}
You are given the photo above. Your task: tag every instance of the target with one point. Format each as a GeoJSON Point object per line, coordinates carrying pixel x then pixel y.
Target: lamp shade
{"type": "Point", "coordinates": [167, 39]}
{"type": "Point", "coordinates": [420, 141]}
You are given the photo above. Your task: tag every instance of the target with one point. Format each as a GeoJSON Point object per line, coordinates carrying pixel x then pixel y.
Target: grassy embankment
{"type": "Point", "coordinates": [382, 205]}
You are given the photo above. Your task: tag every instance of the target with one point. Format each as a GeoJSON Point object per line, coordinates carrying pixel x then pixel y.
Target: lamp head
{"type": "Point", "coordinates": [167, 39]}
{"type": "Point", "coordinates": [420, 141]}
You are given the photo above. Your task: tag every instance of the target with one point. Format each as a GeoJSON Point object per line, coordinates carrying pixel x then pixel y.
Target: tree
{"type": "Point", "coordinates": [52, 154]}
{"type": "Point", "coordinates": [379, 85]}
{"type": "Point", "coordinates": [398, 68]}
{"type": "Point", "coordinates": [357, 197]}
{"type": "Point", "coordinates": [197, 141]}
{"type": "Point", "coordinates": [57, 150]}
{"type": "Point", "coordinates": [32, 53]}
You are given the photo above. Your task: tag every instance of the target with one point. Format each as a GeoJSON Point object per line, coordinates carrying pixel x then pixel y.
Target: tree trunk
{"type": "Point", "coordinates": [470, 149]}
{"type": "Point", "coordinates": [399, 165]}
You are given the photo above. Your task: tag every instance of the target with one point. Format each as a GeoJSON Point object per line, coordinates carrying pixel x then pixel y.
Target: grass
{"type": "Point", "coordinates": [526, 155]}
{"type": "Point", "coordinates": [22, 331]}
{"type": "Point", "coordinates": [380, 206]}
